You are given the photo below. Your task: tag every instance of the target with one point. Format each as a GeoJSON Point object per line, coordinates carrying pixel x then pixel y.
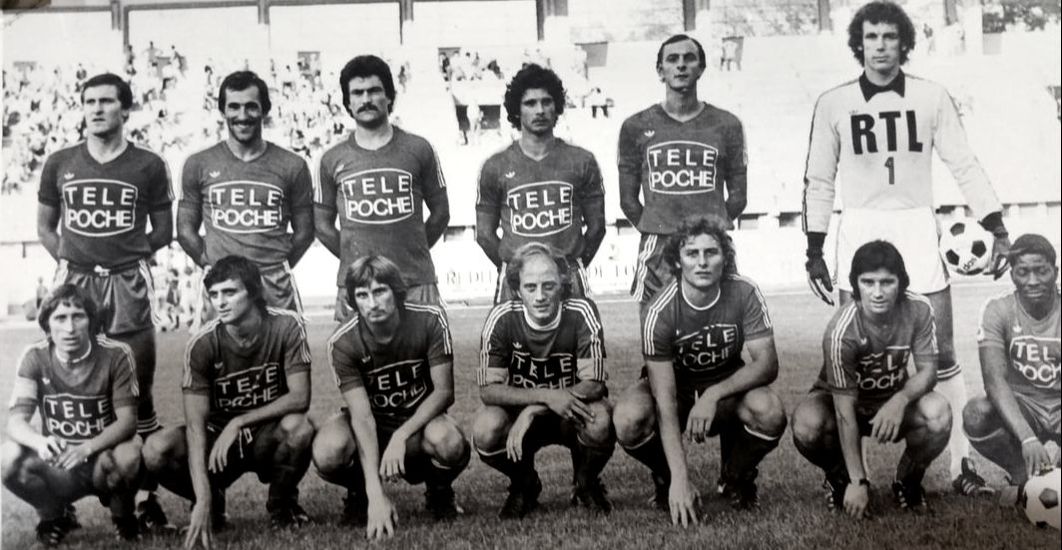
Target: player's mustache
{"type": "Point", "coordinates": [367, 108]}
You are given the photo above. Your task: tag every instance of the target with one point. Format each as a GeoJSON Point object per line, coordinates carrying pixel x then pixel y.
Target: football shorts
{"type": "Point", "coordinates": [651, 272]}
{"type": "Point", "coordinates": [913, 231]}
{"type": "Point", "coordinates": [125, 292]}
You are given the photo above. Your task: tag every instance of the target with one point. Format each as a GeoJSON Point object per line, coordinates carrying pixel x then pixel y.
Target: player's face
{"type": "Point", "coordinates": [541, 288]}
{"type": "Point", "coordinates": [68, 326]}
{"type": "Point", "coordinates": [368, 100]}
{"type": "Point", "coordinates": [680, 66]}
{"type": "Point", "coordinates": [243, 114]}
{"type": "Point", "coordinates": [538, 112]}
{"type": "Point", "coordinates": [104, 115]}
{"type": "Point", "coordinates": [1034, 278]}
{"type": "Point", "coordinates": [376, 303]}
{"type": "Point", "coordinates": [702, 261]}
{"type": "Point", "coordinates": [881, 47]}
{"type": "Point", "coordinates": [231, 300]}
{"type": "Point", "coordinates": [878, 290]}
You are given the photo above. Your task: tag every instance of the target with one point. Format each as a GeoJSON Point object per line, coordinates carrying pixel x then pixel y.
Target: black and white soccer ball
{"type": "Point", "coordinates": [966, 247]}
{"type": "Point", "coordinates": [1040, 496]}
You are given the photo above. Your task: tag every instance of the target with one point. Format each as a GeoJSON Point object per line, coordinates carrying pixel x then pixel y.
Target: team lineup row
{"type": "Point", "coordinates": [680, 160]}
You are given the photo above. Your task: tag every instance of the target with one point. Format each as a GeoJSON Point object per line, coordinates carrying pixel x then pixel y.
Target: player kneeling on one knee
{"type": "Point", "coordinates": [542, 378]}
{"type": "Point", "coordinates": [246, 391]}
{"type": "Point", "coordinates": [1018, 340]}
{"type": "Point", "coordinates": [393, 362]}
{"type": "Point", "coordinates": [864, 389]}
{"type": "Point", "coordinates": [84, 386]}
{"type": "Point", "coordinates": [695, 381]}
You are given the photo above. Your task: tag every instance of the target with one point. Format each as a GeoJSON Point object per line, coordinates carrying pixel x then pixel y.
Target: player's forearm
{"type": "Point", "coordinates": [848, 434]}
{"type": "Point", "coordinates": [291, 402]}
{"type": "Point", "coordinates": [1001, 396]}
{"type": "Point", "coordinates": [301, 239]}
{"type": "Point", "coordinates": [20, 431]}
{"type": "Point", "coordinates": [48, 228]}
{"type": "Point", "coordinates": [50, 240]}
{"type": "Point", "coordinates": [326, 231]}
{"type": "Point", "coordinates": [671, 437]}
{"type": "Point", "coordinates": [161, 234]}
{"type": "Point", "coordinates": [435, 225]}
{"type": "Point", "coordinates": [593, 235]}
{"type": "Point", "coordinates": [752, 375]}
{"type": "Point", "coordinates": [193, 245]}
{"type": "Point", "coordinates": [195, 436]}
{"type": "Point", "coordinates": [434, 405]}
{"type": "Point", "coordinates": [818, 204]}
{"type": "Point", "coordinates": [504, 395]}
{"type": "Point", "coordinates": [364, 428]}
{"type": "Point", "coordinates": [629, 202]}
{"type": "Point", "coordinates": [925, 377]}
{"type": "Point", "coordinates": [490, 243]}
{"type": "Point", "coordinates": [118, 431]}
{"type": "Point", "coordinates": [736, 195]}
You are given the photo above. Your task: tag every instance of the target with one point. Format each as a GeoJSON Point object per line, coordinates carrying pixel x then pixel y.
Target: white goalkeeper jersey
{"type": "Point", "coordinates": [881, 140]}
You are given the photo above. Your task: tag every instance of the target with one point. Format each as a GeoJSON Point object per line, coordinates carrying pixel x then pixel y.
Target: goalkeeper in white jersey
{"type": "Point", "coordinates": [878, 134]}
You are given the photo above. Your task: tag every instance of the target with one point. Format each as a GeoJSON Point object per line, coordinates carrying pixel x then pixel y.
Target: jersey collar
{"type": "Point", "coordinates": [898, 85]}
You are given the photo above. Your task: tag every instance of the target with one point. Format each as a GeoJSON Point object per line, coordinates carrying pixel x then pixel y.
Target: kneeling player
{"type": "Point", "coordinates": [85, 388]}
{"type": "Point", "coordinates": [393, 362]}
{"type": "Point", "coordinates": [1019, 347]}
{"type": "Point", "coordinates": [542, 378]}
{"type": "Point", "coordinates": [863, 388]}
{"type": "Point", "coordinates": [693, 334]}
{"type": "Point", "coordinates": [246, 391]}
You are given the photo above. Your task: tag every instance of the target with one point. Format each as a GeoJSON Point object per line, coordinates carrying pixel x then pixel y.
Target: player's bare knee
{"type": "Point", "coordinates": [14, 463]}
{"type": "Point", "coordinates": [599, 431]}
{"type": "Point", "coordinates": [444, 440]}
{"type": "Point", "coordinates": [810, 422]}
{"type": "Point", "coordinates": [633, 420]}
{"type": "Point", "coordinates": [331, 451]}
{"type": "Point", "coordinates": [161, 448]}
{"type": "Point", "coordinates": [935, 413]}
{"type": "Point", "coordinates": [295, 431]}
{"type": "Point", "coordinates": [978, 416]}
{"type": "Point", "coordinates": [490, 428]}
{"type": "Point", "coordinates": [761, 409]}
{"type": "Point", "coordinates": [127, 461]}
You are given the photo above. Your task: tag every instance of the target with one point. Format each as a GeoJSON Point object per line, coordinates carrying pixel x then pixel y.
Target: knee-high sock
{"type": "Point", "coordinates": [588, 461]}
{"type": "Point", "coordinates": [954, 390]}
{"type": "Point", "coordinates": [651, 453]}
{"type": "Point", "coordinates": [443, 475]}
{"type": "Point", "coordinates": [1001, 448]}
{"type": "Point", "coordinates": [519, 473]}
{"type": "Point", "coordinates": [748, 447]}
{"type": "Point", "coordinates": [349, 476]}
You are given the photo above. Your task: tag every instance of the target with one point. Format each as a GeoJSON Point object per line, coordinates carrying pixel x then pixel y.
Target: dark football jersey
{"type": "Point", "coordinates": [682, 167]}
{"type": "Point", "coordinates": [1031, 345]}
{"type": "Point", "coordinates": [704, 344]}
{"type": "Point", "coordinates": [75, 404]}
{"type": "Point", "coordinates": [105, 207]}
{"type": "Point", "coordinates": [543, 200]}
{"type": "Point", "coordinates": [247, 206]}
{"type": "Point", "coordinates": [238, 380]}
{"type": "Point", "coordinates": [379, 196]}
{"type": "Point", "coordinates": [559, 356]}
{"type": "Point", "coordinates": [869, 361]}
{"type": "Point", "coordinates": [396, 375]}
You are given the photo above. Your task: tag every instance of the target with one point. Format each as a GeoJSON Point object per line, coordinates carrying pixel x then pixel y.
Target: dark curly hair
{"type": "Point", "coordinates": [881, 11]}
{"type": "Point", "coordinates": [125, 93]}
{"type": "Point", "coordinates": [238, 268]}
{"type": "Point", "coordinates": [877, 255]}
{"type": "Point", "coordinates": [532, 77]}
{"type": "Point", "coordinates": [679, 38]}
{"type": "Point", "coordinates": [74, 297]}
{"type": "Point", "coordinates": [240, 81]}
{"type": "Point", "coordinates": [691, 227]}
{"type": "Point", "coordinates": [365, 66]}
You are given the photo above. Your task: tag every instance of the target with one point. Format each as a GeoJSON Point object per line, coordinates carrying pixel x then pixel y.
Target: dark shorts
{"type": "Point", "coordinates": [278, 288]}
{"type": "Point", "coordinates": [77, 480]}
{"type": "Point", "coordinates": [418, 294]}
{"type": "Point", "coordinates": [126, 293]}
{"type": "Point", "coordinates": [865, 412]}
{"type": "Point", "coordinates": [249, 453]}
{"type": "Point", "coordinates": [651, 272]}
{"type": "Point", "coordinates": [576, 273]}
{"type": "Point", "coordinates": [686, 397]}
{"type": "Point", "coordinates": [1045, 419]}
{"type": "Point", "coordinates": [416, 462]}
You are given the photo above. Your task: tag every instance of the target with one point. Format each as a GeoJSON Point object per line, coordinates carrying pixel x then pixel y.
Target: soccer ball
{"type": "Point", "coordinates": [1039, 497]}
{"type": "Point", "coordinates": [966, 247]}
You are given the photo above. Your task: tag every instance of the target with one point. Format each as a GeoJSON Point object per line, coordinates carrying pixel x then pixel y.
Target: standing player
{"type": "Point", "coordinates": [378, 181]}
{"type": "Point", "coordinates": [246, 191]}
{"type": "Point", "coordinates": [1019, 347]}
{"type": "Point", "coordinates": [542, 378]}
{"type": "Point", "coordinates": [879, 132]}
{"type": "Point", "coordinates": [246, 391]}
{"type": "Point", "coordinates": [393, 362]}
{"type": "Point", "coordinates": [864, 389]}
{"type": "Point", "coordinates": [84, 386]}
{"type": "Point", "coordinates": [540, 189]}
{"type": "Point", "coordinates": [104, 191]}
{"type": "Point", "coordinates": [695, 381]}
{"type": "Point", "coordinates": [680, 154]}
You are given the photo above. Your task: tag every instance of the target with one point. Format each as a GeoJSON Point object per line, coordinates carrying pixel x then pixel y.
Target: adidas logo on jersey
{"type": "Point", "coordinates": [366, 359]}
{"type": "Point", "coordinates": [650, 133]}
{"type": "Point", "coordinates": [510, 175]}
{"type": "Point", "coordinates": [518, 345]}
{"type": "Point", "coordinates": [214, 173]}
{"type": "Point", "coordinates": [46, 381]}
{"type": "Point", "coordinates": [68, 176]}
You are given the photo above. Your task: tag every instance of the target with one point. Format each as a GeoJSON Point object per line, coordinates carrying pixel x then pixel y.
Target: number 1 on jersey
{"type": "Point", "coordinates": [892, 171]}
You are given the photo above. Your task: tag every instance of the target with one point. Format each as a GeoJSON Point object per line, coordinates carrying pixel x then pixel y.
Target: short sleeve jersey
{"type": "Point", "coordinates": [379, 197]}
{"type": "Point", "coordinates": [682, 167]}
{"type": "Point", "coordinates": [1031, 345]}
{"type": "Point", "coordinates": [246, 207]}
{"type": "Point", "coordinates": [704, 344]}
{"type": "Point", "coordinates": [75, 405]}
{"type": "Point", "coordinates": [544, 200]}
{"type": "Point", "coordinates": [104, 208]}
{"type": "Point", "coordinates": [869, 361]}
{"type": "Point", "coordinates": [881, 145]}
{"type": "Point", "coordinates": [238, 380]}
{"type": "Point", "coordinates": [515, 353]}
{"type": "Point", "coordinates": [395, 375]}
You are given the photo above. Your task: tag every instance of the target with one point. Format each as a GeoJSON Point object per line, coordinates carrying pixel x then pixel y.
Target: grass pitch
{"type": "Point", "coordinates": [792, 513]}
